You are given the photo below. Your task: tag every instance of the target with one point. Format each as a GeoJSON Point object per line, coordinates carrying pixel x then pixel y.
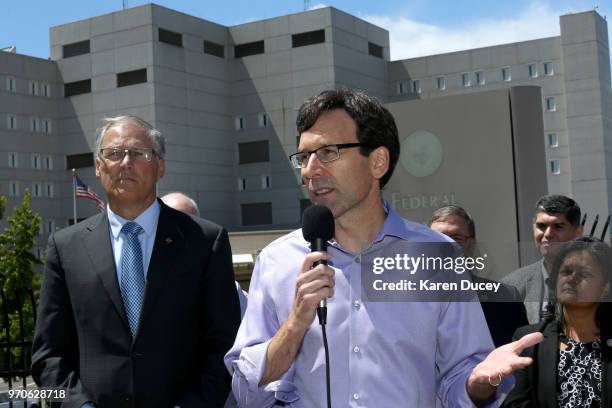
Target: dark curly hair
{"type": "Point", "coordinates": [375, 124]}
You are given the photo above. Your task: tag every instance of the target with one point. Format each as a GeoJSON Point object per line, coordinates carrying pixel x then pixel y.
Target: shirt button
{"type": "Point", "coordinates": [356, 304]}
{"type": "Point", "coordinates": [356, 349]}
{"type": "Point", "coordinates": [357, 259]}
{"type": "Point", "coordinates": [355, 396]}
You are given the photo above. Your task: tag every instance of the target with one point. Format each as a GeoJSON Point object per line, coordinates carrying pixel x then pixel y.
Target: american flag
{"type": "Point", "coordinates": [83, 190]}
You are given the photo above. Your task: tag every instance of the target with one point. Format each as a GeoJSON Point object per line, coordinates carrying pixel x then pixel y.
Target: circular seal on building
{"type": "Point", "coordinates": [421, 153]}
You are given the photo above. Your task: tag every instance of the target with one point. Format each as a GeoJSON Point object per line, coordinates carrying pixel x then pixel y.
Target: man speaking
{"type": "Point", "coordinates": [138, 304]}
{"type": "Point", "coordinates": [384, 354]}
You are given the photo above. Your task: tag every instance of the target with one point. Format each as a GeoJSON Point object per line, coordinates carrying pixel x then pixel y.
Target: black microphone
{"type": "Point", "coordinates": [318, 227]}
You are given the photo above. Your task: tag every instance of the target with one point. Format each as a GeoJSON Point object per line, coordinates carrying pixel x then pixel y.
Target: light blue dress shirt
{"type": "Point", "coordinates": [383, 354]}
{"type": "Point", "coordinates": [148, 221]}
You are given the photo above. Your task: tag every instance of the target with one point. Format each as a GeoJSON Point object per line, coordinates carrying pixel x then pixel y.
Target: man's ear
{"type": "Point", "coordinates": [379, 162]}
{"type": "Point", "coordinates": [98, 167]}
{"type": "Point", "coordinates": [579, 231]}
{"type": "Point", "coordinates": [161, 168]}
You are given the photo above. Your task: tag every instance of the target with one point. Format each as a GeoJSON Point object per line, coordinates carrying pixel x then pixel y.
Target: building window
{"type": "Point", "coordinates": [253, 152]}
{"type": "Point", "coordinates": [465, 79]}
{"type": "Point", "coordinates": [77, 88]}
{"type": "Point", "coordinates": [48, 162]}
{"type": "Point", "coordinates": [533, 71]}
{"type": "Point", "coordinates": [266, 182]}
{"type": "Point", "coordinates": [33, 88]}
{"type": "Point", "coordinates": [415, 86]}
{"type": "Point", "coordinates": [138, 76]}
{"type": "Point", "coordinates": [37, 189]}
{"type": "Point", "coordinates": [247, 49]}
{"type": "Point", "coordinates": [256, 214]}
{"type": "Point", "coordinates": [401, 87]}
{"type": "Point", "coordinates": [170, 37]}
{"type": "Point", "coordinates": [46, 125]}
{"type": "Point", "coordinates": [480, 77]}
{"type": "Point", "coordinates": [50, 224]}
{"type": "Point", "coordinates": [441, 83]}
{"type": "Point", "coordinates": [548, 68]}
{"type": "Point", "coordinates": [11, 122]}
{"type": "Point", "coordinates": [309, 38]}
{"type": "Point", "coordinates": [36, 162]}
{"type": "Point", "coordinates": [555, 168]}
{"type": "Point", "coordinates": [551, 105]}
{"type": "Point", "coordinates": [239, 122]}
{"type": "Point", "coordinates": [263, 120]}
{"type": "Point", "coordinates": [77, 161]}
{"type": "Point", "coordinates": [506, 74]}
{"type": "Point", "coordinates": [12, 160]}
{"type": "Point", "coordinates": [215, 49]}
{"type": "Point", "coordinates": [35, 124]}
{"type": "Point", "coordinates": [13, 188]}
{"type": "Point", "coordinates": [45, 90]}
{"type": "Point", "coordinates": [77, 48]}
{"type": "Point", "coordinates": [375, 50]}
{"type": "Point", "coordinates": [553, 140]}
{"type": "Point", "coordinates": [11, 84]}
{"type": "Point", "coordinates": [242, 183]}
{"type": "Point", "coordinates": [49, 189]}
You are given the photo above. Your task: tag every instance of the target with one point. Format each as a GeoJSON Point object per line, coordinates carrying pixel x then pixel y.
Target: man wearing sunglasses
{"type": "Point", "coordinates": [382, 354]}
{"type": "Point", "coordinates": [138, 304]}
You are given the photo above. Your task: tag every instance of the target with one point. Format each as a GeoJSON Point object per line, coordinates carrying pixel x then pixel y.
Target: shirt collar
{"type": "Point", "coordinates": [394, 225]}
{"type": "Point", "coordinates": [147, 220]}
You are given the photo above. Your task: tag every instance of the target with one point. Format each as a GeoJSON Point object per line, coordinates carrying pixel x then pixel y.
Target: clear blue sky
{"type": "Point", "coordinates": [417, 27]}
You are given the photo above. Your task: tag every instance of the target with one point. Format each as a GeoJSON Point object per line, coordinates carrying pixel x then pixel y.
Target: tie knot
{"type": "Point", "coordinates": [131, 228]}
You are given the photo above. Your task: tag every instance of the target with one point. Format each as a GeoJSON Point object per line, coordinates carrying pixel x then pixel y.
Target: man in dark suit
{"type": "Point", "coordinates": [138, 304]}
{"type": "Point", "coordinates": [556, 220]}
{"type": "Point", "coordinates": [503, 310]}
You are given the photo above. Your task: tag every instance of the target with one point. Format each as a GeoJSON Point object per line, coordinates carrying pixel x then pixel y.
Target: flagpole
{"type": "Point", "coordinates": [74, 213]}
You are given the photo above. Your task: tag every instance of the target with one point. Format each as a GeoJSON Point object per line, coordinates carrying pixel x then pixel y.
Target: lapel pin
{"type": "Point", "coordinates": [168, 240]}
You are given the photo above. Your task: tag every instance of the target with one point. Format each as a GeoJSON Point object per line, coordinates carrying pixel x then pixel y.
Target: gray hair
{"type": "Point", "coordinates": [158, 140]}
{"type": "Point", "coordinates": [444, 212]}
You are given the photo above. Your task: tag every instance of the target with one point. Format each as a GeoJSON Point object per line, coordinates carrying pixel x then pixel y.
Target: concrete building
{"type": "Point", "coordinates": [226, 99]}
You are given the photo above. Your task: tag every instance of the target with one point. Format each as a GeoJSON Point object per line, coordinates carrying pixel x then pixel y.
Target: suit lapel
{"type": "Point", "coordinates": [547, 366]}
{"type": "Point", "coordinates": [97, 242]}
{"type": "Point", "coordinates": [168, 243]}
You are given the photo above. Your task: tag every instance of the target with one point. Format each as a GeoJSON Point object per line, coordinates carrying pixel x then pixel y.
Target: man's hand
{"type": "Point", "coordinates": [311, 286]}
{"type": "Point", "coordinates": [500, 363]}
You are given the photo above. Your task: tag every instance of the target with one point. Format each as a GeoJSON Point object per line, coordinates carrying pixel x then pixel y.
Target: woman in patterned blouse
{"type": "Point", "coordinates": [572, 366]}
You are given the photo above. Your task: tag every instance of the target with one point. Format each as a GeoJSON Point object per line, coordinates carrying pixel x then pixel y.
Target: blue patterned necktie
{"type": "Point", "coordinates": [132, 274]}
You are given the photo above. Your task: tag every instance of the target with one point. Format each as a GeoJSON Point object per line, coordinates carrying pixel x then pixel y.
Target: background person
{"type": "Point", "coordinates": [503, 309]}
{"type": "Point", "coordinates": [572, 366]}
{"type": "Point", "coordinates": [138, 303]}
{"type": "Point", "coordinates": [556, 220]}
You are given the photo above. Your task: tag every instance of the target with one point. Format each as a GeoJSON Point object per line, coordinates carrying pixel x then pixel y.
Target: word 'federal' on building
{"type": "Point", "coordinates": [490, 129]}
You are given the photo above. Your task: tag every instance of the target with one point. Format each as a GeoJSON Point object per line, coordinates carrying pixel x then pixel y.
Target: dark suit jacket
{"type": "Point", "coordinates": [504, 311]}
{"type": "Point", "coordinates": [536, 385]}
{"type": "Point", "coordinates": [189, 318]}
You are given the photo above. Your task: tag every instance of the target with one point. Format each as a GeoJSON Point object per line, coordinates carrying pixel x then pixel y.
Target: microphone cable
{"type": "Point", "coordinates": [322, 314]}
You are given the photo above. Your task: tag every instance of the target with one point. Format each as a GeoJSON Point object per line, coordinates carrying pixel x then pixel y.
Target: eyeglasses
{"type": "Point", "coordinates": [325, 154]}
{"type": "Point", "coordinates": [114, 154]}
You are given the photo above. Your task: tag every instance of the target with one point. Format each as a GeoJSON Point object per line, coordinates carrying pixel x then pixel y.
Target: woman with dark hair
{"type": "Point", "coordinates": [572, 365]}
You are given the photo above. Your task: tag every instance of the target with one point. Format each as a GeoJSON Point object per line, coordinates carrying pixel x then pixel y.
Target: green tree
{"type": "Point", "coordinates": [17, 279]}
